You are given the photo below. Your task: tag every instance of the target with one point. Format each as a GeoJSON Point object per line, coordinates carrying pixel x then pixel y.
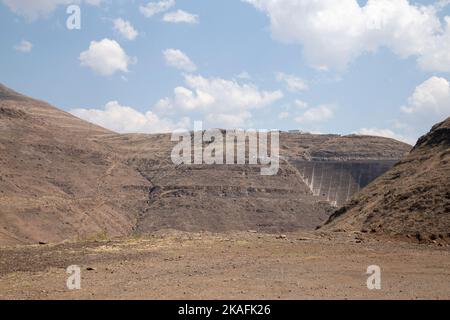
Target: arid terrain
{"type": "Point", "coordinates": [412, 200]}
{"type": "Point", "coordinates": [174, 265]}
{"type": "Point", "coordinates": [140, 227]}
{"type": "Point", "coordinates": [63, 178]}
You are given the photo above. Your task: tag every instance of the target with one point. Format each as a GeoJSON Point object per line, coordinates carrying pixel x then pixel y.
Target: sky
{"type": "Point", "coordinates": [376, 67]}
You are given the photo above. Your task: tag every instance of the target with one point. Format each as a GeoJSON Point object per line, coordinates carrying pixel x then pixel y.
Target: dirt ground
{"type": "Point", "coordinates": [248, 265]}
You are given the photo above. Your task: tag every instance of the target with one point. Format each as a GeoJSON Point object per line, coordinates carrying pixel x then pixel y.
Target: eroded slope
{"type": "Point", "coordinates": [56, 181]}
{"type": "Point", "coordinates": [411, 200]}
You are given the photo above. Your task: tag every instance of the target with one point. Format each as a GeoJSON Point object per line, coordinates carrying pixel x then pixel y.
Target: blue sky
{"type": "Point", "coordinates": [374, 67]}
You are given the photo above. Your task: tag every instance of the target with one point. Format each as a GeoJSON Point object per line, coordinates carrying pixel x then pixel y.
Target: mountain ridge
{"type": "Point", "coordinates": [64, 178]}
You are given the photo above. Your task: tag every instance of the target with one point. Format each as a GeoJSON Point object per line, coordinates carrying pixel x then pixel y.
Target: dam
{"type": "Point", "coordinates": [336, 181]}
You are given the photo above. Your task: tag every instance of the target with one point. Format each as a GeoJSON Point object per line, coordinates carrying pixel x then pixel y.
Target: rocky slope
{"type": "Point", "coordinates": [234, 197]}
{"type": "Point", "coordinates": [56, 180]}
{"type": "Point", "coordinates": [63, 178]}
{"type": "Point", "coordinates": [411, 200]}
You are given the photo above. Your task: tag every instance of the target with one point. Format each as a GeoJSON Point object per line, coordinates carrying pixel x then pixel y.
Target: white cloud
{"type": "Point", "coordinates": [283, 115]}
{"type": "Point", "coordinates": [222, 103]}
{"type": "Point", "coordinates": [432, 96]}
{"type": "Point", "coordinates": [334, 33]}
{"type": "Point", "coordinates": [180, 16]}
{"type": "Point", "coordinates": [191, 100]}
{"type": "Point", "coordinates": [153, 8]}
{"type": "Point", "coordinates": [244, 75]}
{"type": "Point", "coordinates": [301, 104]}
{"type": "Point", "coordinates": [125, 29]}
{"type": "Point", "coordinates": [293, 83]}
{"type": "Point", "coordinates": [33, 9]}
{"type": "Point", "coordinates": [178, 59]}
{"type": "Point", "coordinates": [441, 4]}
{"type": "Point", "coordinates": [428, 104]}
{"type": "Point", "coordinates": [386, 133]}
{"type": "Point", "coordinates": [226, 95]}
{"type": "Point", "coordinates": [95, 3]}
{"type": "Point", "coordinates": [318, 114]}
{"type": "Point", "coordinates": [227, 121]}
{"type": "Point", "coordinates": [105, 57]}
{"type": "Point", "coordinates": [436, 57]}
{"type": "Point", "coordinates": [24, 46]}
{"type": "Point", "coordinates": [125, 119]}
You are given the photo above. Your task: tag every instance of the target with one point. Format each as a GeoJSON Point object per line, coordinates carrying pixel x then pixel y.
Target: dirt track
{"type": "Point", "coordinates": [174, 265]}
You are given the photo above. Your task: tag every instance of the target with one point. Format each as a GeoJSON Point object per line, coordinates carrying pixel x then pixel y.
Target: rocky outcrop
{"type": "Point", "coordinates": [411, 200]}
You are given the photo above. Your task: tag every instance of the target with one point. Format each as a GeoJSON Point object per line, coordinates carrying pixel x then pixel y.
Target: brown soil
{"type": "Point", "coordinates": [175, 265]}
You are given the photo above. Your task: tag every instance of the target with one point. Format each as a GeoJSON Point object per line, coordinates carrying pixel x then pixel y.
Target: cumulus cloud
{"type": "Point", "coordinates": [220, 102]}
{"type": "Point", "coordinates": [225, 95]}
{"type": "Point", "coordinates": [105, 57]}
{"type": "Point", "coordinates": [432, 96]}
{"type": "Point", "coordinates": [428, 104]}
{"type": "Point", "coordinates": [125, 119]}
{"type": "Point", "coordinates": [334, 33]}
{"type": "Point", "coordinates": [436, 57]}
{"type": "Point", "coordinates": [153, 8]}
{"type": "Point", "coordinates": [317, 114]}
{"type": "Point", "coordinates": [178, 59]}
{"type": "Point", "coordinates": [293, 83]}
{"type": "Point", "coordinates": [24, 46]}
{"type": "Point", "coordinates": [33, 9]}
{"type": "Point", "coordinates": [386, 133]}
{"type": "Point", "coordinates": [301, 104]}
{"type": "Point", "coordinates": [125, 29]}
{"type": "Point", "coordinates": [180, 16]}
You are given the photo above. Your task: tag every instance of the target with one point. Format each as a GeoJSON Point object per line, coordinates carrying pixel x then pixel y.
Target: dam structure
{"type": "Point", "coordinates": [337, 181]}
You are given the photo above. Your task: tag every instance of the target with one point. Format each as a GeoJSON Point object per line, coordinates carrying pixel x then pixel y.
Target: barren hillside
{"type": "Point", "coordinates": [56, 181]}
{"type": "Point", "coordinates": [63, 178]}
{"type": "Point", "coordinates": [411, 200]}
{"type": "Point", "coordinates": [233, 197]}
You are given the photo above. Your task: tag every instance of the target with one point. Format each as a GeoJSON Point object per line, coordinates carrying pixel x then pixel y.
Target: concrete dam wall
{"type": "Point", "coordinates": [337, 181]}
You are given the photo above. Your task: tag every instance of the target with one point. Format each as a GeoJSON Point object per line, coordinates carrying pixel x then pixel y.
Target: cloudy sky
{"type": "Point", "coordinates": [377, 67]}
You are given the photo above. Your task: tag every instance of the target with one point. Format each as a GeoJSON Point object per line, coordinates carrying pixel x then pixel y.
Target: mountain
{"type": "Point", "coordinates": [64, 178]}
{"type": "Point", "coordinates": [58, 181]}
{"type": "Point", "coordinates": [411, 200]}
